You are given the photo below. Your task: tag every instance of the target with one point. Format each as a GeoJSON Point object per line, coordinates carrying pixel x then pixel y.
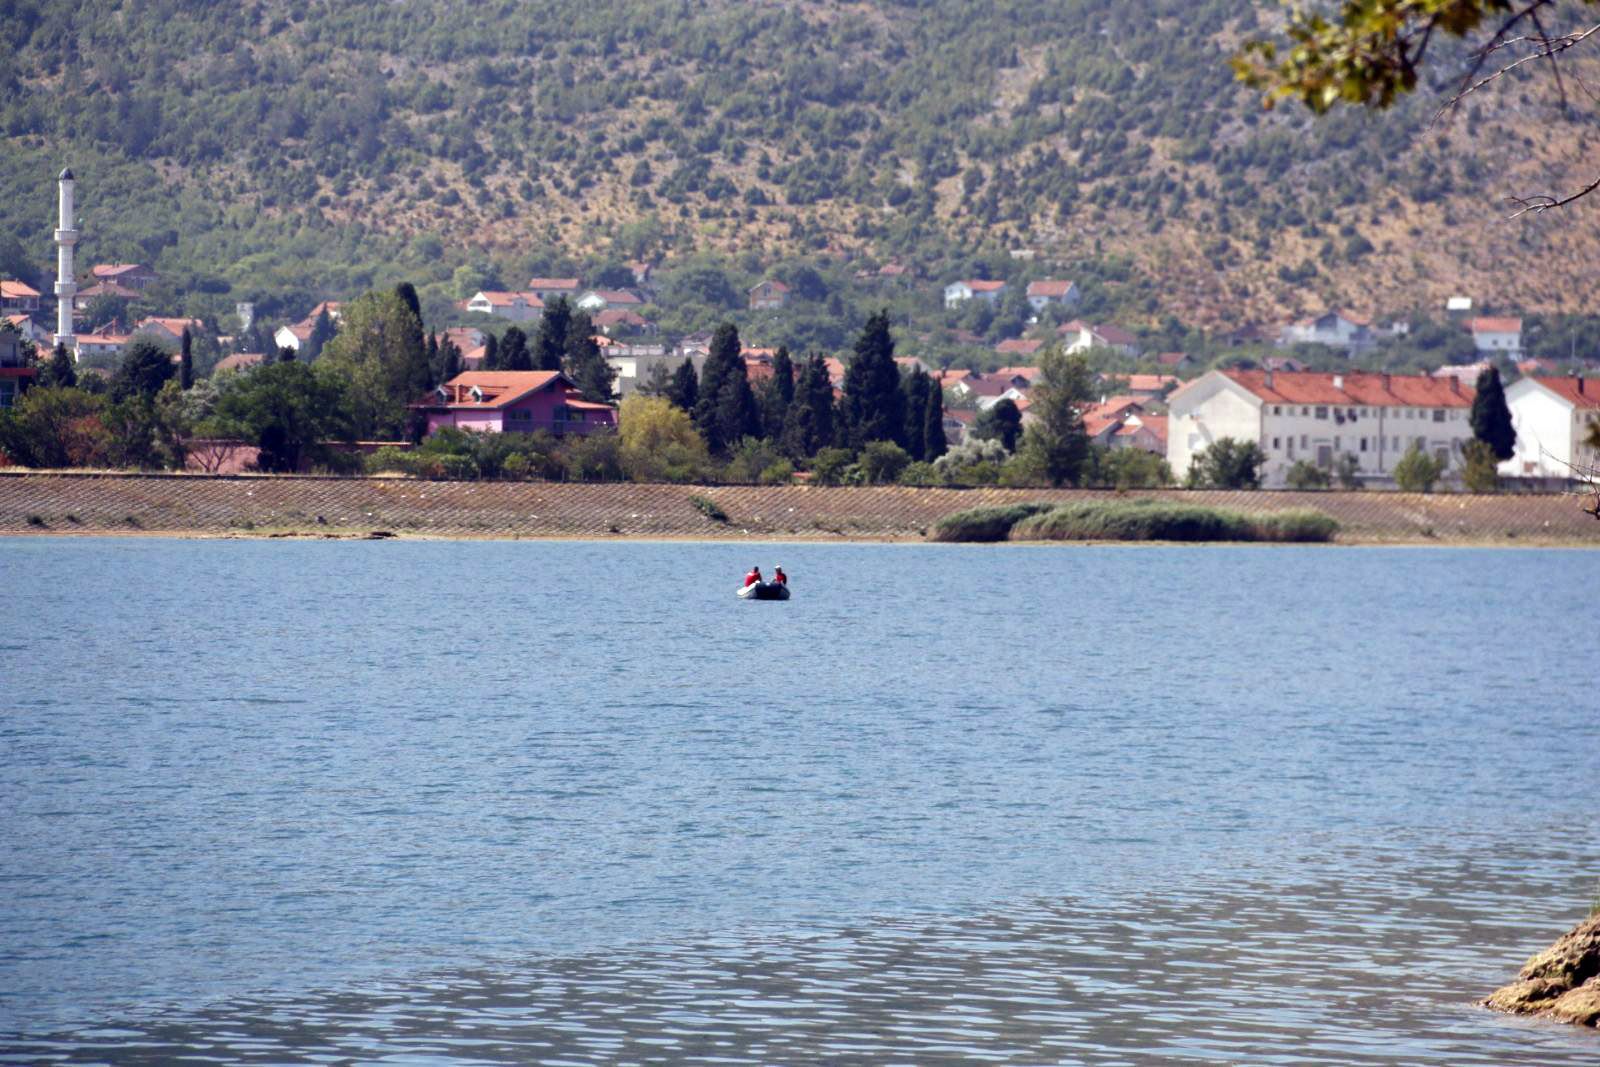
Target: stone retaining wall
{"type": "Point", "coordinates": [191, 504]}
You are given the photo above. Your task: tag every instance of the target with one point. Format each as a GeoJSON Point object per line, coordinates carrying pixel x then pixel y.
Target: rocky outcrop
{"type": "Point", "coordinates": [1562, 982]}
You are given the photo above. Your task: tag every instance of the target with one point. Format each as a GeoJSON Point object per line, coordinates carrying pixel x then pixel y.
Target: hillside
{"type": "Point", "coordinates": [280, 151]}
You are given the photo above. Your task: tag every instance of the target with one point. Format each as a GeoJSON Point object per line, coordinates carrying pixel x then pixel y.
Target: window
{"type": "Point", "coordinates": [1363, 444]}
{"type": "Point", "coordinates": [1275, 443]}
{"type": "Point", "coordinates": [1322, 413]}
{"type": "Point", "coordinates": [1305, 442]}
{"type": "Point", "coordinates": [1438, 414]}
{"type": "Point", "coordinates": [1277, 409]}
{"type": "Point", "coordinates": [1305, 411]}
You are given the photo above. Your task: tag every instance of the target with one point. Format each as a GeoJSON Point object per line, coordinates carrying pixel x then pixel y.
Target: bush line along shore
{"type": "Point", "coordinates": [268, 505]}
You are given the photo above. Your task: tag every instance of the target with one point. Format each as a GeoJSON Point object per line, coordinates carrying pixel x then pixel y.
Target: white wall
{"type": "Point", "coordinates": [1544, 423]}
{"type": "Point", "coordinates": [1206, 412]}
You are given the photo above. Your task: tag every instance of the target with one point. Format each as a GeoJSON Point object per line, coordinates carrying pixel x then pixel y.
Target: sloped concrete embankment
{"type": "Point", "coordinates": [259, 505]}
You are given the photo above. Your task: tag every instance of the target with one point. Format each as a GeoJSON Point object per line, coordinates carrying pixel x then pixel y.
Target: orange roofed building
{"type": "Point", "coordinates": [515, 402]}
{"type": "Point", "coordinates": [1318, 418]}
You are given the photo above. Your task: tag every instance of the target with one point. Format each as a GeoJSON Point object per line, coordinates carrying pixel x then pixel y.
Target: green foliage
{"type": "Point", "coordinates": [555, 336]}
{"type": "Point", "coordinates": [1491, 416]}
{"type": "Point", "coordinates": [999, 422]}
{"type": "Point", "coordinates": [1480, 471]}
{"type": "Point", "coordinates": [984, 523]}
{"type": "Point", "coordinates": [1306, 475]}
{"type": "Point", "coordinates": [708, 508]}
{"type": "Point", "coordinates": [55, 426]}
{"type": "Point", "coordinates": [1347, 470]}
{"type": "Point", "coordinates": [1227, 464]}
{"type": "Point", "coordinates": [873, 405]}
{"type": "Point", "coordinates": [144, 369]}
{"type": "Point", "coordinates": [1417, 471]}
{"type": "Point", "coordinates": [882, 461]}
{"type": "Point", "coordinates": [725, 410]}
{"type": "Point", "coordinates": [685, 388]}
{"type": "Point", "coordinates": [585, 365]}
{"type": "Point", "coordinates": [1134, 468]}
{"type": "Point", "coordinates": [1149, 520]}
{"type": "Point", "coordinates": [831, 466]}
{"type": "Point", "coordinates": [753, 457]}
{"type": "Point", "coordinates": [1055, 448]}
{"type": "Point", "coordinates": [512, 353]}
{"type": "Point", "coordinates": [286, 410]}
{"type": "Point", "coordinates": [379, 356]}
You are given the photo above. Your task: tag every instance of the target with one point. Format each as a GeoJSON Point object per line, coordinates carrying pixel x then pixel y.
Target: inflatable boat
{"type": "Point", "coordinates": [764, 591]}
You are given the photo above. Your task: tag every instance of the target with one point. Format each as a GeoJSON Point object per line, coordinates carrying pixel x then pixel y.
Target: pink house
{"type": "Point", "coordinates": [516, 401]}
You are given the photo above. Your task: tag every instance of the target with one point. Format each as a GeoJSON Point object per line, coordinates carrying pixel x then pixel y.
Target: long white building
{"type": "Point", "coordinates": [1552, 418]}
{"type": "Point", "coordinates": [1302, 415]}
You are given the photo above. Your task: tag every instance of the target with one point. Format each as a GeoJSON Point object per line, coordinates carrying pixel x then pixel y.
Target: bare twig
{"type": "Point", "coordinates": [1549, 48]}
{"type": "Point", "coordinates": [1538, 205]}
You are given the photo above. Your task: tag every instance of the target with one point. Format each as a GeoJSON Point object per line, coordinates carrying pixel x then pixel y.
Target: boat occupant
{"type": "Point", "coordinates": [778, 577]}
{"type": "Point", "coordinates": [753, 577]}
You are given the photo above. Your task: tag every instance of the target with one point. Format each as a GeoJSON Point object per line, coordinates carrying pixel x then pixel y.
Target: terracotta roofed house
{"type": "Point", "coordinates": [1019, 346]}
{"type": "Point", "coordinates": [601, 299]}
{"type": "Point", "coordinates": [518, 307]}
{"type": "Point", "coordinates": [547, 289]}
{"type": "Point", "coordinates": [1316, 417]}
{"type": "Point", "coordinates": [130, 275]}
{"type": "Point", "coordinates": [515, 402]}
{"type": "Point", "coordinates": [1042, 294]}
{"type": "Point", "coordinates": [1498, 335]}
{"type": "Point", "coordinates": [768, 294]}
{"type": "Point", "coordinates": [973, 289]}
{"type": "Point", "coordinates": [85, 297]}
{"type": "Point", "coordinates": [18, 296]}
{"type": "Point", "coordinates": [168, 330]}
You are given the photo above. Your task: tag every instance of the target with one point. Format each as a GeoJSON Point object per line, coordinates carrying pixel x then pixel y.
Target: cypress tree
{"type": "Point", "coordinates": [514, 354]}
{"type": "Point", "coordinates": [322, 332]}
{"type": "Point", "coordinates": [933, 440]}
{"type": "Point", "coordinates": [1491, 416]}
{"type": "Point", "coordinates": [433, 360]}
{"type": "Point", "coordinates": [685, 387]}
{"type": "Point", "coordinates": [550, 347]}
{"type": "Point", "coordinates": [872, 387]}
{"type": "Point", "coordinates": [491, 352]}
{"type": "Point", "coordinates": [914, 403]}
{"type": "Point", "coordinates": [61, 372]}
{"type": "Point", "coordinates": [418, 373]}
{"type": "Point", "coordinates": [809, 425]}
{"type": "Point", "coordinates": [777, 394]}
{"type": "Point", "coordinates": [449, 359]}
{"type": "Point", "coordinates": [408, 292]}
{"type": "Point", "coordinates": [585, 364]}
{"type": "Point", "coordinates": [722, 362]}
{"type": "Point", "coordinates": [185, 360]}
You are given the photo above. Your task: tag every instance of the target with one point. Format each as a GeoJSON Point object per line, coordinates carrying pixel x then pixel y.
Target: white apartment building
{"type": "Point", "coordinates": [518, 307]}
{"type": "Point", "coordinates": [1296, 416]}
{"type": "Point", "coordinates": [1552, 418]}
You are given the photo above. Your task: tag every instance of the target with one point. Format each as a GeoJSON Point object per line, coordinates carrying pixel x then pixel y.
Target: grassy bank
{"type": "Point", "coordinates": [260, 506]}
{"type": "Point", "coordinates": [1132, 520]}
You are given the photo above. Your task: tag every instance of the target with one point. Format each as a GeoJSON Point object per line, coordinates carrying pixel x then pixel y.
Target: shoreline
{"type": "Point", "coordinates": [294, 507]}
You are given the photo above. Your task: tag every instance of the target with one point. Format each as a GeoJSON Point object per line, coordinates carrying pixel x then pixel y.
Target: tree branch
{"type": "Point", "coordinates": [1538, 205]}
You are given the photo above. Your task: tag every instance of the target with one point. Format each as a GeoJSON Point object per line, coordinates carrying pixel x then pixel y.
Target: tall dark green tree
{"type": "Point", "coordinates": [777, 393]}
{"type": "Point", "coordinates": [934, 444]}
{"type": "Point", "coordinates": [323, 328]}
{"type": "Point", "coordinates": [725, 411]}
{"type": "Point", "coordinates": [186, 360]}
{"type": "Point", "coordinates": [586, 365]}
{"type": "Point", "coordinates": [555, 326]}
{"type": "Point", "coordinates": [449, 359]}
{"type": "Point", "coordinates": [685, 388]}
{"type": "Point", "coordinates": [286, 410]}
{"type": "Point", "coordinates": [808, 427]}
{"type": "Point", "coordinates": [433, 359]}
{"type": "Point", "coordinates": [872, 400]}
{"type": "Point", "coordinates": [491, 352]}
{"type": "Point", "coordinates": [1002, 422]}
{"type": "Point", "coordinates": [914, 403]}
{"type": "Point", "coordinates": [60, 371]}
{"type": "Point", "coordinates": [1056, 446]}
{"type": "Point", "coordinates": [514, 354]}
{"type": "Point", "coordinates": [1491, 416]}
{"type": "Point", "coordinates": [145, 368]}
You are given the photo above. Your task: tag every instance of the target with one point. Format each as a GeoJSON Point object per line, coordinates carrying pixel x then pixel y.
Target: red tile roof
{"type": "Point", "coordinates": [108, 289]}
{"type": "Point", "coordinates": [500, 388]}
{"type": "Point", "coordinates": [981, 286]}
{"type": "Point", "coordinates": [1364, 389]}
{"type": "Point", "coordinates": [1494, 325]}
{"type": "Point", "coordinates": [553, 283]}
{"type": "Point", "coordinates": [238, 361]}
{"type": "Point", "coordinates": [1156, 424]}
{"type": "Point", "coordinates": [113, 270]}
{"type": "Point", "coordinates": [1115, 335]}
{"type": "Point", "coordinates": [1144, 383]}
{"type": "Point", "coordinates": [1049, 288]}
{"type": "Point", "coordinates": [1584, 392]}
{"type": "Point", "coordinates": [16, 290]}
{"type": "Point", "coordinates": [773, 284]}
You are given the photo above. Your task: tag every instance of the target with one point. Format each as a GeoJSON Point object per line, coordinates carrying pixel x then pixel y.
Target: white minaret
{"type": "Point", "coordinates": [66, 280]}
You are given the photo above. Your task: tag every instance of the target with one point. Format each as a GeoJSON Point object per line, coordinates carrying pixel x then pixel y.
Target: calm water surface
{"type": "Point", "coordinates": [575, 803]}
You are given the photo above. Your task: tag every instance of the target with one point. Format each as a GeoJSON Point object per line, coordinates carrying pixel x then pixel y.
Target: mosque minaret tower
{"type": "Point", "coordinates": [66, 279]}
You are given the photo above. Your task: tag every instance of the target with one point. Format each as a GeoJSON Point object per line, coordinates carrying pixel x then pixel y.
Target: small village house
{"type": "Point", "coordinates": [634, 364]}
{"type": "Point", "coordinates": [1341, 329]}
{"type": "Point", "coordinates": [135, 276]}
{"type": "Point", "coordinates": [27, 328]}
{"type": "Point", "coordinates": [602, 299]}
{"type": "Point", "coordinates": [110, 290]}
{"type": "Point", "coordinates": [1079, 336]}
{"type": "Point", "coordinates": [298, 335]}
{"type": "Point", "coordinates": [239, 361]}
{"type": "Point", "coordinates": [518, 307]}
{"type": "Point", "coordinates": [957, 293]}
{"type": "Point", "coordinates": [1552, 417]}
{"type": "Point", "coordinates": [1319, 417]}
{"type": "Point", "coordinates": [99, 349]}
{"type": "Point", "coordinates": [1500, 336]}
{"type": "Point", "coordinates": [1042, 294]}
{"type": "Point", "coordinates": [18, 296]}
{"type": "Point", "coordinates": [167, 331]}
{"type": "Point", "coordinates": [15, 376]}
{"type": "Point", "coordinates": [515, 402]}
{"type": "Point", "coordinates": [547, 289]}
{"type": "Point", "coordinates": [768, 295]}
{"type": "Point", "coordinates": [1019, 346]}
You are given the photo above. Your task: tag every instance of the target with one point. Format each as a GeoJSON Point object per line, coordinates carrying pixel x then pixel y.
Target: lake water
{"type": "Point", "coordinates": [576, 803]}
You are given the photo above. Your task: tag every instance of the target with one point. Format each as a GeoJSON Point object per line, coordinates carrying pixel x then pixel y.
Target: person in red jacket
{"type": "Point", "coordinates": [753, 577]}
{"type": "Point", "coordinates": [778, 577]}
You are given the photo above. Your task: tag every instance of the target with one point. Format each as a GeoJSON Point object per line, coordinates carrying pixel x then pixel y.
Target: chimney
{"type": "Point", "coordinates": [1338, 381]}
